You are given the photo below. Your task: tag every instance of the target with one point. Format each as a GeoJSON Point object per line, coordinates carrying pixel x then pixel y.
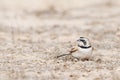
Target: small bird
{"type": "Point", "coordinates": [82, 51]}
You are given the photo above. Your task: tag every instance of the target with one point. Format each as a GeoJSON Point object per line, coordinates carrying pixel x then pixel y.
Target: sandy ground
{"type": "Point", "coordinates": [34, 32]}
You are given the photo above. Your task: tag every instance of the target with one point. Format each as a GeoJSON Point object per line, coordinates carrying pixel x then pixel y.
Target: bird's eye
{"type": "Point", "coordinates": [84, 42]}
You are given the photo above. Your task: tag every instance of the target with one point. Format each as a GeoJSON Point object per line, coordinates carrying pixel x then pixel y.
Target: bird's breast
{"type": "Point", "coordinates": [83, 52]}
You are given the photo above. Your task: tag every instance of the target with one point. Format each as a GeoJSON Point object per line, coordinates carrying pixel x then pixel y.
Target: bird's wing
{"type": "Point", "coordinates": [73, 49]}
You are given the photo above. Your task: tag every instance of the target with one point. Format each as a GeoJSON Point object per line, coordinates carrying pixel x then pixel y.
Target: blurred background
{"type": "Point", "coordinates": [33, 32]}
{"type": "Point", "coordinates": [44, 15]}
{"type": "Point", "coordinates": [25, 13]}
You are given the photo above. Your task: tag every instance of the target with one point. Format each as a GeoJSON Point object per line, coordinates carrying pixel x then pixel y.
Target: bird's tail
{"type": "Point", "coordinates": [62, 55]}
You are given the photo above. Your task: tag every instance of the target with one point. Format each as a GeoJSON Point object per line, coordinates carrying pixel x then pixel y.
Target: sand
{"type": "Point", "coordinates": [34, 32]}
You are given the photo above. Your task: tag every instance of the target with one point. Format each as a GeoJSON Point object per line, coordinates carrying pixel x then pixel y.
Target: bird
{"type": "Point", "coordinates": [83, 49]}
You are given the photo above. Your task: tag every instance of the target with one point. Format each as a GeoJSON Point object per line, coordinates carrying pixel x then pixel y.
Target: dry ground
{"type": "Point", "coordinates": [31, 37]}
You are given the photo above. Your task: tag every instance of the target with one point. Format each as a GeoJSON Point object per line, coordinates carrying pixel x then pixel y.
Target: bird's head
{"type": "Point", "coordinates": [82, 41]}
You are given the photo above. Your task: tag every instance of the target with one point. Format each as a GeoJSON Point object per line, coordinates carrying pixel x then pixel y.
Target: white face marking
{"type": "Point", "coordinates": [80, 43]}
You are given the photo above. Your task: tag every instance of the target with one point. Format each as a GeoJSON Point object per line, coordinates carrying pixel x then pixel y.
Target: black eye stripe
{"type": "Point", "coordinates": [84, 42]}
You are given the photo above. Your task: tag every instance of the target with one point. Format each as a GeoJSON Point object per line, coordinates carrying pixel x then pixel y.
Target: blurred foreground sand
{"type": "Point", "coordinates": [33, 32]}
